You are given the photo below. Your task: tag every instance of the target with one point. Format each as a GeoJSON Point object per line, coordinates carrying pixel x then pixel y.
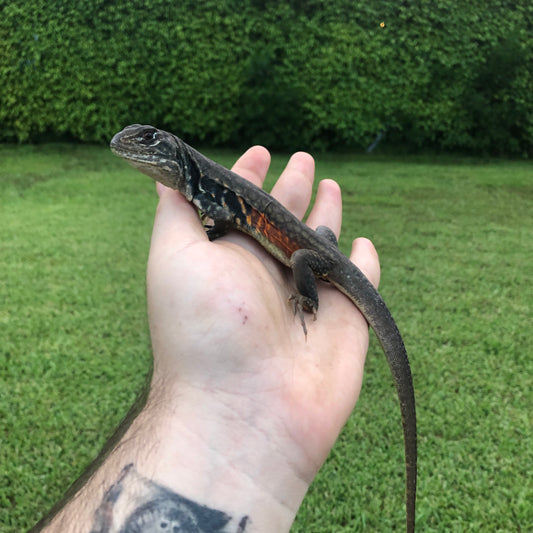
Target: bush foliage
{"type": "Point", "coordinates": [292, 74]}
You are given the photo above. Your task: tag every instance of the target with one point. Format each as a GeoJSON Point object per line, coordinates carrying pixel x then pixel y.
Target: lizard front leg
{"type": "Point", "coordinates": [221, 220]}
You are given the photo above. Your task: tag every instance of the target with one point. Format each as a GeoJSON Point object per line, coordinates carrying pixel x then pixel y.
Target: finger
{"type": "Point", "coordinates": [294, 187]}
{"type": "Point", "coordinates": [160, 188]}
{"type": "Point", "coordinates": [176, 221]}
{"type": "Point", "coordinates": [364, 255]}
{"type": "Point", "coordinates": [327, 210]}
{"type": "Point", "coordinates": [253, 165]}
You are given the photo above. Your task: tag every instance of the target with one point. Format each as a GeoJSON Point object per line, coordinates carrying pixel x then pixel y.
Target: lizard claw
{"type": "Point", "coordinates": [299, 305]}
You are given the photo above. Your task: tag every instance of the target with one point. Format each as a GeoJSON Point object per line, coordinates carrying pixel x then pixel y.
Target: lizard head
{"type": "Point", "coordinates": [152, 151]}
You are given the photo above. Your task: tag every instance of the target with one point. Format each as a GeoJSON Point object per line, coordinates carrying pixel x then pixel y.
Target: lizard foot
{"type": "Point", "coordinates": [300, 304]}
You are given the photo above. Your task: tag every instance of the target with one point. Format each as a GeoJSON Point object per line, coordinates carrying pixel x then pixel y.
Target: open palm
{"type": "Point", "coordinates": [222, 324]}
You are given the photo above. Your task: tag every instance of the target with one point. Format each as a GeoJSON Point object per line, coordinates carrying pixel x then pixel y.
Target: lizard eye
{"type": "Point", "coordinates": [148, 136]}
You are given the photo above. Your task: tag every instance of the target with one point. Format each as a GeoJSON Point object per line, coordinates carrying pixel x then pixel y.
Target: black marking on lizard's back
{"type": "Point", "coordinates": [252, 210]}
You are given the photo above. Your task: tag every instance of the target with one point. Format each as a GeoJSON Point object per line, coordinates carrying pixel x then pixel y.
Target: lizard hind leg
{"type": "Point", "coordinates": [327, 233]}
{"type": "Point", "coordinates": [304, 264]}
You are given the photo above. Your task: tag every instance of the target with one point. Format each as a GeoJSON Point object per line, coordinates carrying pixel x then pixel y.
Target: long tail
{"type": "Point", "coordinates": [376, 312]}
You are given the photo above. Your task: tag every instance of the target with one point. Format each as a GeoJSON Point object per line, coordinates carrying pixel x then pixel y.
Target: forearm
{"type": "Point", "coordinates": [191, 454]}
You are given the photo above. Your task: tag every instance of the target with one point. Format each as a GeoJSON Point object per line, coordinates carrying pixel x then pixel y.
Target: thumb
{"type": "Point", "coordinates": [176, 223]}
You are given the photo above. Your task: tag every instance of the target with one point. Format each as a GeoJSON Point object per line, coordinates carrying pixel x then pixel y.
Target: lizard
{"type": "Point", "coordinates": [234, 203]}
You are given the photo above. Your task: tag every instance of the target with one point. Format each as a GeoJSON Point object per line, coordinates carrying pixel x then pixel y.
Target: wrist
{"type": "Point", "coordinates": [226, 452]}
{"type": "Point", "coordinates": [193, 454]}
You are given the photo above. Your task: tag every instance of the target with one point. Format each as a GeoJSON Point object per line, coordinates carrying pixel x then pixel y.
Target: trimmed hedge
{"type": "Point", "coordinates": [288, 74]}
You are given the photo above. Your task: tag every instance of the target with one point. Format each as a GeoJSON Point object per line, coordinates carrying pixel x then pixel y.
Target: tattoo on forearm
{"type": "Point", "coordinates": [135, 504]}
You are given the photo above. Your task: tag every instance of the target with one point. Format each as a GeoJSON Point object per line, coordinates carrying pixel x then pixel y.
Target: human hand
{"type": "Point", "coordinates": [229, 355]}
{"type": "Point", "coordinates": [243, 408]}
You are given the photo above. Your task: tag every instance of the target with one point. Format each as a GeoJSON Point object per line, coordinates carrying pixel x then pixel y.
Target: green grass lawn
{"type": "Point", "coordinates": [455, 239]}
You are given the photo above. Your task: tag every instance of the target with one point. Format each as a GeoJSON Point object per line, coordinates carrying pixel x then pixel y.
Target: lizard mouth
{"type": "Point", "coordinates": [118, 148]}
{"type": "Point", "coordinates": [149, 162]}
{"type": "Point", "coordinates": [135, 156]}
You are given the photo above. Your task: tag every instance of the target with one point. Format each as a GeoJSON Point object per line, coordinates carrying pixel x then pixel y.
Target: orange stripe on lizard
{"type": "Point", "coordinates": [278, 238]}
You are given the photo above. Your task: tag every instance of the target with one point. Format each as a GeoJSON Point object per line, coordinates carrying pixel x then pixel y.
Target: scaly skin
{"type": "Point", "coordinates": [234, 203]}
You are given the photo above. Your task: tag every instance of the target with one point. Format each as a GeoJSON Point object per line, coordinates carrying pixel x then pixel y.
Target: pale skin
{"type": "Point", "coordinates": [243, 409]}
